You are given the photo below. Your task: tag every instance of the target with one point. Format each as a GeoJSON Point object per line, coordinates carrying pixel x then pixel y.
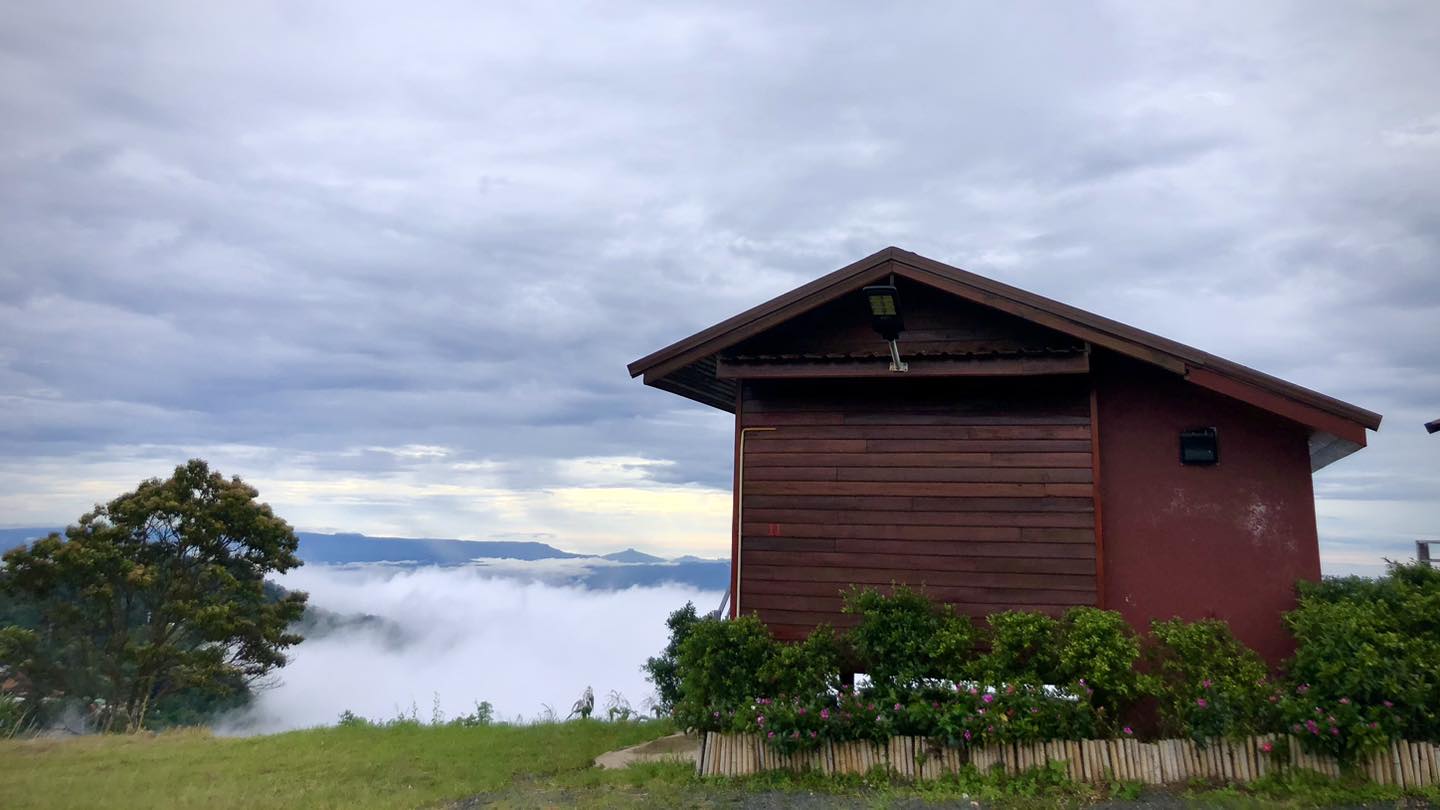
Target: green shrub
{"type": "Point", "coordinates": [719, 665]}
{"type": "Point", "coordinates": [806, 669]}
{"type": "Point", "coordinates": [904, 638]}
{"type": "Point", "coordinates": [14, 716]}
{"type": "Point", "coordinates": [1097, 651]}
{"type": "Point", "coordinates": [662, 670]}
{"type": "Point", "coordinates": [1374, 643]}
{"type": "Point", "coordinates": [1208, 683]}
{"type": "Point", "coordinates": [1023, 648]}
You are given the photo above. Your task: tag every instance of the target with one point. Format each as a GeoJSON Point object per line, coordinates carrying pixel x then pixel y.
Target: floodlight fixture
{"type": "Point", "coordinates": [1433, 427]}
{"type": "Point", "coordinates": [884, 303]}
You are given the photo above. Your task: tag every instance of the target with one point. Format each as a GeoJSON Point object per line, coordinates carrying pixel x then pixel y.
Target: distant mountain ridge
{"type": "Point", "coordinates": [350, 547]}
{"type": "Point", "coordinates": [509, 559]}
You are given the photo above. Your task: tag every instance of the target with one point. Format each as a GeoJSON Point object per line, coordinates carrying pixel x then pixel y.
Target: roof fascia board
{"type": "Point", "coordinates": [1266, 400]}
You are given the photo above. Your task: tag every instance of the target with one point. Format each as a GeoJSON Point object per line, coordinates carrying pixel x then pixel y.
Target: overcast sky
{"type": "Point", "coordinates": [388, 261]}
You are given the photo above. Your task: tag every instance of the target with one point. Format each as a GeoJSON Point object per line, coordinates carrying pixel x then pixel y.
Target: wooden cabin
{"type": "Point", "coordinates": [1030, 456]}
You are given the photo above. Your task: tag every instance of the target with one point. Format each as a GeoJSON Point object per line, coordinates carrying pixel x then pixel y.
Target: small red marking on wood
{"type": "Point", "coordinates": [774, 529]}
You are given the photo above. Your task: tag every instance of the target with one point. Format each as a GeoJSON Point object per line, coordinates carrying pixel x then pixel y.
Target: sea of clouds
{"type": "Point", "coordinates": [458, 636]}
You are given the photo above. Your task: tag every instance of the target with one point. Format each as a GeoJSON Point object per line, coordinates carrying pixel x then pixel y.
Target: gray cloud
{"type": "Point", "coordinates": [309, 233]}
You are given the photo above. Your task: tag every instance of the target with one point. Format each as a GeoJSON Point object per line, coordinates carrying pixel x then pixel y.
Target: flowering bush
{"type": "Point", "coordinates": [1372, 641]}
{"type": "Point", "coordinates": [1343, 728]}
{"type": "Point", "coordinates": [1098, 648]}
{"type": "Point", "coordinates": [1366, 670]}
{"type": "Point", "coordinates": [719, 665]}
{"type": "Point", "coordinates": [1209, 684]}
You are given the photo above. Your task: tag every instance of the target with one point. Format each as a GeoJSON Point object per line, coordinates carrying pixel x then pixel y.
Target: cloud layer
{"type": "Point", "coordinates": [460, 637]}
{"type": "Point", "coordinates": [389, 263]}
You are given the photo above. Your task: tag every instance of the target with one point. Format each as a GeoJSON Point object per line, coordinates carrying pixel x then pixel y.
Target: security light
{"type": "Point", "coordinates": [884, 305]}
{"type": "Point", "coordinates": [885, 310]}
{"type": "Point", "coordinates": [1199, 446]}
{"type": "Point", "coordinates": [1433, 427]}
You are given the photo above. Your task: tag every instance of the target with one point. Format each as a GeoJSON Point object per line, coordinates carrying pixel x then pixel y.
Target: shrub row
{"type": "Point", "coordinates": [1366, 670]}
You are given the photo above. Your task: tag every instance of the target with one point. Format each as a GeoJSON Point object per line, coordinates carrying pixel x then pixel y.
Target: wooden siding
{"type": "Point", "coordinates": [981, 492]}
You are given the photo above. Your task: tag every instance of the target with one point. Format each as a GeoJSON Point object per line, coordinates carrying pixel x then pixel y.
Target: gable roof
{"type": "Point", "coordinates": [686, 367]}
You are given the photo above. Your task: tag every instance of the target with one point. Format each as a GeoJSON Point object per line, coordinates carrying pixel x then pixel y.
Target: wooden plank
{"type": "Point", "coordinates": [916, 562]}
{"type": "Point", "coordinates": [1009, 446]}
{"type": "Point", "coordinates": [912, 489]}
{"type": "Point", "coordinates": [838, 517]}
{"type": "Point", "coordinates": [905, 503]}
{"type": "Point", "coordinates": [971, 549]}
{"type": "Point", "coordinates": [813, 426]}
{"type": "Point", "coordinates": [761, 461]}
{"type": "Point", "coordinates": [940, 582]}
{"type": "Point", "coordinates": [1012, 474]}
{"type": "Point", "coordinates": [949, 534]}
{"type": "Point", "coordinates": [777, 445]}
{"type": "Point", "coordinates": [940, 419]}
{"type": "Point", "coordinates": [919, 367]}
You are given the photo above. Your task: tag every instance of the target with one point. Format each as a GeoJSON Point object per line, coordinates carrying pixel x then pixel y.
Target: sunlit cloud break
{"type": "Point", "coordinates": [457, 636]}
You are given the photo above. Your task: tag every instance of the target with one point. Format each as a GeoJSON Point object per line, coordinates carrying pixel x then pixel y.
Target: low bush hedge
{"type": "Point", "coordinates": [1366, 670]}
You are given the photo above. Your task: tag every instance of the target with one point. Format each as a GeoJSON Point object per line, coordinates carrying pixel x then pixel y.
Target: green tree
{"type": "Point", "coordinates": [663, 669]}
{"type": "Point", "coordinates": [160, 590]}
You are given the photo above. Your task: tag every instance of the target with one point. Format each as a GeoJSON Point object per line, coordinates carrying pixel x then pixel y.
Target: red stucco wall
{"type": "Point", "coordinates": [1226, 541]}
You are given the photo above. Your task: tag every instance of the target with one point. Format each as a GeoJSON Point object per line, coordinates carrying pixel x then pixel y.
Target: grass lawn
{"type": "Point", "coordinates": [523, 766]}
{"type": "Point", "coordinates": [395, 767]}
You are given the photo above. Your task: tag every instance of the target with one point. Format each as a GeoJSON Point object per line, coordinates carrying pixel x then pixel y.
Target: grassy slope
{"type": "Point", "coordinates": [323, 768]}
{"type": "Point", "coordinates": [505, 766]}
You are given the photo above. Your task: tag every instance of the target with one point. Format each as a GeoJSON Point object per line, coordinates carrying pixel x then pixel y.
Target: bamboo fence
{"type": "Point", "coordinates": [1406, 764]}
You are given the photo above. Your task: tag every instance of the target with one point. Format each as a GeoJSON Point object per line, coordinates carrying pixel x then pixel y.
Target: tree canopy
{"type": "Point", "coordinates": [160, 590]}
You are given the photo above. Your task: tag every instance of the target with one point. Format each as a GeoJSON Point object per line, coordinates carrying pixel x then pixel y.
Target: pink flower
{"type": "Point", "coordinates": [795, 735]}
{"type": "Point", "coordinates": [814, 734]}
{"type": "Point", "coordinates": [800, 711]}
{"type": "Point", "coordinates": [1201, 702]}
{"type": "Point", "coordinates": [897, 707]}
{"type": "Point", "coordinates": [988, 698]}
{"type": "Point", "coordinates": [824, 714]}
{"type": "Point", "coordinates": [1334, 732]}
{"type": "Point", "coordinates": [1313, 727]}
{"type": "Point", "coordinates": [1205, 684]}
{"type": "Point", "coordinates": [1128, 730]}
{"type": "Point", "coordinates": [716, 715]}
{"type": "Point", "coordinates": [1267, 747]}
{"type": "Point", "coordinates": [1344, 701]}
{"type": "Point", "coordinates": [771, 735]}
{"type": "Point", "coordinates": [1374, 724]}
{"type": "Point", "coordinates": [935, 705]}
{"type": "Point", "coordinates": [759, 719]}
{"type": "Point", "coordinates": [967, 735]}
{"type": "Point", "coordinates": [1034, 710]}
{"type": "Point", "coordinates": [1302, 688]}
{"type": "Point", "coordinates": [1387, 704]}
